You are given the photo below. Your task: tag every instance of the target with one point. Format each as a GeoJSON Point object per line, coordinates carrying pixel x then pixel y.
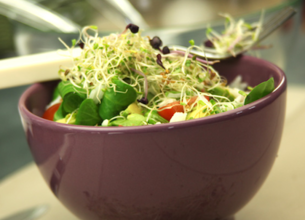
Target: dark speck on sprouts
{"type": "Point", "coordinates": [81, 45]}
{"type": "Point", "coordinates": [133, 28]}
{"type": "Point", "coordinates": [159, 61]}
{"type": "Point", "coordinates": [165, 50]}
{"type": "Point", "coordinates": [156, 42]}
{"type": "Point", "coordinates": [143, 100]}
{"type": "Point", "coordinates": [208, 43]}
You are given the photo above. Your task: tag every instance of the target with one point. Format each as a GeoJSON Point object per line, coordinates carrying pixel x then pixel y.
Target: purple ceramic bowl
{"type": "Point", "coordinates": [206, 169]}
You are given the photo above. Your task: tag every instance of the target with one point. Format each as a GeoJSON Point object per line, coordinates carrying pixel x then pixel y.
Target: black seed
{"type": "Point", "coordinates": [208, 43]}
{"type": "Point", "coordinates": [133, 28]}
{"type": "Point", "coordinates": [81, 45]}
{"type": "Point", "coordinates": [156, 42]}
{"type": "Point", "coordinates": [159, 61]}
{"type": "Point", "coordinates": [165, 50]}
{"type": "Point", "coordinates": [143, 100]}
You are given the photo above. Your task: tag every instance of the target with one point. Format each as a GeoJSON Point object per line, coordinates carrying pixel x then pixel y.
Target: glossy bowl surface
{"type": "Point", "coordinates": [206, 169]}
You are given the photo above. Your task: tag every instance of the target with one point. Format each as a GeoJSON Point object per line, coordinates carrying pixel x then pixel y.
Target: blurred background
{"type": "Point", "coordinates": [33, 26]}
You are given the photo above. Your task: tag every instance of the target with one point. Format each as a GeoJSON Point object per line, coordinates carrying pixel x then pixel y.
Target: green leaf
{"type": "Point", "coordinates": [95, 46]}
{"type": "Point", "coordinates": [242, 93]}
{"type": "Point", "coordinates": [65, 87]}
{"type": "Point", "coordinates": [173, 94]}
{"type": "Point", "coordinates": [93, 27]}
{"type": "Point", "coordinates": [59, 114]}
{"type": "Point", "coordinates": [71, 102]}
{"type": "Point", "coordinates": [131, 120]}
{"type": "Point", "coordinates": [188, 63]}
{"type": "Point", "coordinates": [247, 25]}
{"type": "Point", "coordinates": [209, 30]}
{"type": "Point", "coordinates": [116, 99]}
{"type": "Point", "coordinates": [73, 42]}
{"type": "Point", "coordinates": [201, 102]}
{"type": "Point", "coordinates": [154, 117]}
{"type": "Point", "coordinates": [87, 113]}
{"type": "Point", "coordinates": [136, 117]}
{"type": "Point", "coordinates": [216, 108]}
{"type": "Point", "coordinates": [125, 122]}
{"type": "Point", "coordinates": [260, 91]}
{"type": "Point", "coordinates": [192, 42]}
{"type": "Point", "coordinates": [72, 96]}
{"type": "Point", "coordinates": [222, 91]}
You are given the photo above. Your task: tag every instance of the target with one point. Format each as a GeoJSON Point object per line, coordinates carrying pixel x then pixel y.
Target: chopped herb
{"type": "Point", "coordinates": [242, 93]}
{"type": "Point", "coordinates": [192, 42]}
{"type": "Point", "coordinates": [188, 63]}
{"type": "Point", "coordinates": [73, 42]}
{"type": "Point", "coordinates": [95, 46]}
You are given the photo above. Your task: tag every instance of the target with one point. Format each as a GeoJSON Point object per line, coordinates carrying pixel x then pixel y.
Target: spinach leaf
{"type": "Point", "coordinates": [131, 120]}
{"type": "Point", "coordinates": [87, 113]}
{"type": "Point", "coordinates": [221, 91]}
{"type": "Point", "coordinates": [59, 114]}
{"type": "Point", "coordinates": [260, 91]}
{"type": "Point", "coordinates": [72, 101]}
{"type": "Point", "coordinates": [65, 87]}
{"type": "Point", "coordinates": [72, 96]}
{"type": "Point", "coordinates": [116, 99]}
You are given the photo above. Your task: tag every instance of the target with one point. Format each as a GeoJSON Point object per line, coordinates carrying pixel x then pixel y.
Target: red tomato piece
{"type": "Point", "coordinates": [50, 112]}
{"type": "Point", "coordinates": [170, 109]}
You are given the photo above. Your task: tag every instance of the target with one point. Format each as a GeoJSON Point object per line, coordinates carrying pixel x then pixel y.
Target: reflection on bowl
{"type": "Point", "coordinates": [206, 168]}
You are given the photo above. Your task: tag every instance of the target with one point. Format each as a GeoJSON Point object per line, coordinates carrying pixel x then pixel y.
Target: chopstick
{"type": "Point", "coordinates": [34, 68]}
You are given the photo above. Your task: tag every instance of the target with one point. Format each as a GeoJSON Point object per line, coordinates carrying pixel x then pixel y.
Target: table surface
{"type": "Point", "coordinates": [282, 197]}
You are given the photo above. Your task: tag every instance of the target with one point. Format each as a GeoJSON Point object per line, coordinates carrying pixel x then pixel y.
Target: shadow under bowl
{"type": "Point", "coordinates": [206, 168]}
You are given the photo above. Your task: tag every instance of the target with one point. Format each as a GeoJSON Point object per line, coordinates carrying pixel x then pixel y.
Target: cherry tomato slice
{"type": "Point", "coordinates": [170, 109]}
{"type": "Point", "coordinates": [49, 113]}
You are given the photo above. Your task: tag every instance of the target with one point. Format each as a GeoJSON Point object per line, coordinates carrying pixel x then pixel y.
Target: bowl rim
{"type": "Point", "coordinates": [232, 114]}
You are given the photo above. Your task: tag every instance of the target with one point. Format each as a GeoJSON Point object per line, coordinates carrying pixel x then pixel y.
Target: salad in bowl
{"type": "Point", "coordinates": [127, 79]}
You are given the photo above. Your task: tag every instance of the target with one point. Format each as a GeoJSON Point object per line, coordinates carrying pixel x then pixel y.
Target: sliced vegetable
{"type": "Point", "coordinates": [199, 111]}
{"type": "Point", "coordinates": [133, 108]}
{"type": "Point", "coordinates": [69, 119]}
{"type": "Point", "coordinates": [49, 113]}
{"type": "Point", "coordinates": [170, 109]}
